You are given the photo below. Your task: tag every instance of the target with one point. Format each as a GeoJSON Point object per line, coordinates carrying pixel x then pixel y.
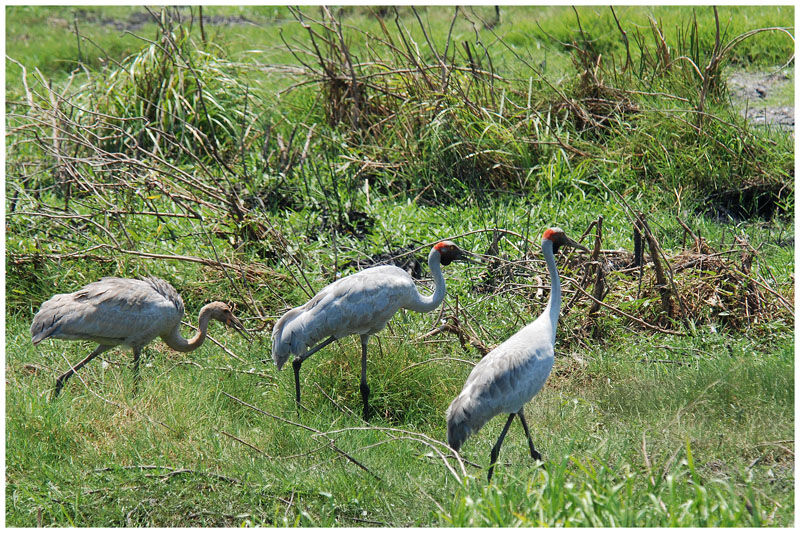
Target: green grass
{"type": "Point", "coordinates": [637, 428]}
{"type": "Point", "coordinates": [728, 399]}
{"type": "Point", "coordinates": [732, 410]}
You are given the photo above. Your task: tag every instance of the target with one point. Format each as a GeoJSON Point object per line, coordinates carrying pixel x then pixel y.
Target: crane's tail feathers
{"type": "Point", "coordinates": [283, 342]}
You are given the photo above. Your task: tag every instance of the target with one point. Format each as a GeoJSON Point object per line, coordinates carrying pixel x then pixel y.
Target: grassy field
{"type": "Point", "coordinates": [254, 154]}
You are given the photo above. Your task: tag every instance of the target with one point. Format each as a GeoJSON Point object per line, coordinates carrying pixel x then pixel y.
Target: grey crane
{"type": "Point", "coordinates": [130, 312]}
{"type": "Point", "coordinates": [360, 304]}
{"type": "Point", "coordinates": [514, 372]}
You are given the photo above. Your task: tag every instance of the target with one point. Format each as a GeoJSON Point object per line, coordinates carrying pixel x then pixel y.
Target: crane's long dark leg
{"type": "Point", "coordinates": [496, 447]}
{"type": "Point", "coordinates": [62, 379]}
{"type": "Point", "coordinates": [536, 455]}
{"type": "Point", "coordinates": [137, 352]}
{"type": "Point", "coordinates": [298, 361]}
{"type": "Point", "coordinates": [364, 387]}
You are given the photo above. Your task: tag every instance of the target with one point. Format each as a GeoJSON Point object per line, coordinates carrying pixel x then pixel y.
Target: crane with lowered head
{"type": "Point", "coordinates": [514, 372]}
{"type": "Point", "coordinates": [123, 311]}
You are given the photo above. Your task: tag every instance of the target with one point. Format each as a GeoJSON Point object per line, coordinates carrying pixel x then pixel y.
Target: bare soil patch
{"type": "Point", "coordinates": [136, 20]}
{"type": "Point", "coordinates": [752, 90]}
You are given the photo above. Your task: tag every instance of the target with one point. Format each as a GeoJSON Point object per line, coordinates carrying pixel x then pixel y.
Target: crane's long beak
{"type": "Point", "coordinates": [239, 327]}
{"type": "Point", "coordinates": [469, 257]}
{"type": "Point", "coordinates": [574, 244]}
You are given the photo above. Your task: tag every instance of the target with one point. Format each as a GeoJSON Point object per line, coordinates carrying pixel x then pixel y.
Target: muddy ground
{"type": "Point", "coordinates": [755, 94]}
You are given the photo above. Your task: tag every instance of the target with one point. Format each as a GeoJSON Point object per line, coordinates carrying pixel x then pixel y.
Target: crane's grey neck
{"type": "Point", "coordinates": [175, 340]}
{"type": "Point", "coordinates": [553, 308]}
{"type": "Point", "coordinates": [423, 304]}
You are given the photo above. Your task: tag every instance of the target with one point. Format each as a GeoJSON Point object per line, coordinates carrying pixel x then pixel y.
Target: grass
{"type": "Point", "coordinates": [637, 428]}
{"type": "Point", "coordinates": [591, 422]}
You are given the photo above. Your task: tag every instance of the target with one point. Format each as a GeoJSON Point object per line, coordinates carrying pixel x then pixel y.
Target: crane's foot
{"type": "Point", "coordinates": [57, 391]}
{"type": "Point", "coordinates": [491, 471]}
{"type": "Point", "coordinates": [538, 457]}
{"type": "Point", "coordinates": [492, 462]}
{"type": "Point", "coordinates": [60, 381]}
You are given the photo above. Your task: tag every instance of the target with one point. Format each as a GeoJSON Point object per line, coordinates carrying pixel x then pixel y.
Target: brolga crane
{"type": "Point", "coordinates": [359, 304]}
{"type": "Point", "coordinates": [121, 311]}
{"type": "Point", "coordinates": [514, 372]}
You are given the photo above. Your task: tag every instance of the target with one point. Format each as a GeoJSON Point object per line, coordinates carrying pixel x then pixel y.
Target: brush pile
{"type": "Point", "coordinates": [700, 285]}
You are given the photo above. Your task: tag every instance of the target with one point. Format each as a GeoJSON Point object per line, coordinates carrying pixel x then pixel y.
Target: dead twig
{"type": "Point", "coordinates": [453, 325]}
{"type": "Point", "coordinates": [430, 442]}
{"type": "Point", "coordinates": [624, 40]}
{"type": "Point", "coordinates": [471, 363]}
{"type": "Point", "coordinates": [597, 291]}
{"type": "Point", "coordinates": [627, 315]}
{"type": "Point", "coordinates": [330, 444]}
{"type": "Point", "coordinates": [251, 446]}
{"type": "Point", "coordinates": [661, 280]}
{"type": "Point", "coordinates": [171, 472]}
{"type": "Point", "coordinates": [183, 471]}
{"type": "Point", "coordinates": [251, 372]}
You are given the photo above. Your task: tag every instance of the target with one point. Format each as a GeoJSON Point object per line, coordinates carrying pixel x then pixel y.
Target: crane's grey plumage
{"type": "Point", "coordinates": [360, 304]}
{"type": "Point", "coordinates": [514, 372]}
{"type": "Point", "coordinates": [121, 311]}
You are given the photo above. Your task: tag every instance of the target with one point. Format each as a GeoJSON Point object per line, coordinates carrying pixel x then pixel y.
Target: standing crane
{"type": "Point", "coordinates": [514, 372]}
{"type": "Point", "coordinates": [361, 304]}
{"type": "Point", "coordinates": [130, 312]}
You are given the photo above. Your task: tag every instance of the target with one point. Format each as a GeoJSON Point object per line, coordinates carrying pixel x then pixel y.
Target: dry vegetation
{"type": "Point", "coordinates": [186, 162]}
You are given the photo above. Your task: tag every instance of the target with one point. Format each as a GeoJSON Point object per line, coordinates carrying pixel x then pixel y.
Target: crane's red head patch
{"type": "Point", "coordinates": [549, 234]}
{"type": "Point", "coordinates": [559, 239]}
{"type": "Point", "coordinates": [442, 246]}
{"type": "Point", "coordinates": [448, 252]}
